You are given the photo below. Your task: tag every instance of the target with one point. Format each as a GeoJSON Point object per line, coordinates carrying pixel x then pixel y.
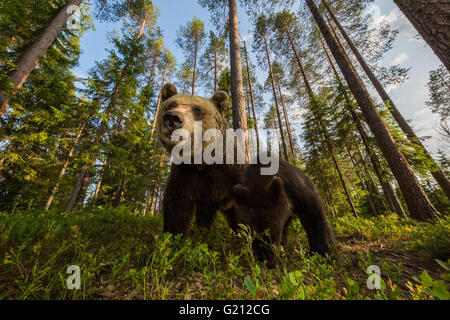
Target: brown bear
{"type": "Point", "coordinates": [266, 202]}
{"type": "Point", "coordinates": [202, 188]}
{"type": "Point", "coordinates": [208, 188]}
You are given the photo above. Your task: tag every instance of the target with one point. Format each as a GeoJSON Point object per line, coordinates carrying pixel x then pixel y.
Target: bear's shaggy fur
{"type": "Point", "coordinates": [206, 189]}
{"type": "Point", "coordinates": [271, 202]}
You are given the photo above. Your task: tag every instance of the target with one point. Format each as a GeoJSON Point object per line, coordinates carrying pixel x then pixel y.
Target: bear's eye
{"type": "Point", "coordinates": [198, 113]}
{"type": "Point", "coordinates": [171, 106]}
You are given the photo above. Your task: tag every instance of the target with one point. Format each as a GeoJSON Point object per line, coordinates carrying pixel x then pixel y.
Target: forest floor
{"type": "Point", "coordinates": [126, 256]}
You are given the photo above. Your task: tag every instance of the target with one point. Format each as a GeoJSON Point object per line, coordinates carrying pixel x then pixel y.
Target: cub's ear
{"type": "Point", "coordinates": [275, 188]}
{"type": "Point", "coordinates": [221, 100]}
{"type": "Point", "coordinates": [241, 194]}
{"type": "Point", "coordinates": [168, 91]}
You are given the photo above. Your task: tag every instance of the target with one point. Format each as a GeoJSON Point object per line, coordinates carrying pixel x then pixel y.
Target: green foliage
{"type": "Point", "coordinates": [439, 96]}
{"type": "Point", "coordinates": [126, 256]}
{"type": "Point", "coordinates": [190, 38]}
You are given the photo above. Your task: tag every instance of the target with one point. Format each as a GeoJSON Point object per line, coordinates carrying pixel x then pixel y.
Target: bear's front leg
{"type": "Point", "coordinates": [178, 211]}
{"type": "Point", "coordinates": [204, 217]}
{"type": "Point", "coordinates": [232, 219]}
{"type": "Point", "coordinates": [284, 236]}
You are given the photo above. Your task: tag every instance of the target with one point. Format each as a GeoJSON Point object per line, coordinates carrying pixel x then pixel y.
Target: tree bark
{"type": "Point", "coordinates": [252, 97]}
{"type": "Point", "coordinates": [288, 126]}
{"type": "Point", "coordinates": [150, 78]}
{"type": "Point", "coordinates": [146, 203]}
{"type": "Point", "coordinates": [100, 178]}
{"type": "Point", "coordinates": [344, 184]}
{"type": "Point", "coordinates": [83, 191]}
{"type": "Point", "coordinates": [76, 188]}
{"type": "Point", "coordinates": [363, 184]}
{"type": "Point", "coordinates": [29, 60]}
{"type": "Point", "coordinates": [159, 101]}
{"type": "Point", "coordinates": [237, 86]}
{"type": "Point", "coordinates": [66, 164]}
{"type": "Point", "coordinates": [418, 203]}
{"type": "Point", "coordinates": [195, 69]}
{"type": "Point", "coordinates": [391, 198]}
{"type": "Point", "coordinates": [153, 202]}
{"type": "Point", "coordinates": [437, 173]}
{"type": "Point", "coordinates": [431, 19]}
{"type": "Point", "coordinates": [215, 70]}
{"type": "Point", "coordinates": [274, 90]}
{"type": "Point", "coordinates": [300, 64]}
{"type": "Point", "coordinates": [320, 125]}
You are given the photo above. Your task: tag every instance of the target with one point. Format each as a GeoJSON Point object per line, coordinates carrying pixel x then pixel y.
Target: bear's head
{"type": "Point", "coordinates": [181, 111]}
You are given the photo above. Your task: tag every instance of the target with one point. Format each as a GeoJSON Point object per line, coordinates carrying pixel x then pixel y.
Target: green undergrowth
{"type": "Point", "coordinates": [126, 256]}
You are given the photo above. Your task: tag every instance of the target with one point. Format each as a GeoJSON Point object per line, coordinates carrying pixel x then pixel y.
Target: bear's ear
{"type": "Point", "coordinates": [241, 194]}
{"type": "Point", "coordinates": [275, 188]}
{"type": "Point", "coordinates": [221, 100]}
{"type": "Point", "coordinates": [168, 91]}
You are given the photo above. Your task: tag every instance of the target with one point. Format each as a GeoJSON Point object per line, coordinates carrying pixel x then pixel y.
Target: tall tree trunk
{"type": "Point", "coordinates": [278, 139]}
{"type": "Point", "coordinates": [252, 97]}
{"type": "Point", "coordinates": [215, 70]}
{"type": "Point", "coordinates": [393, 202]}
{"type": "Point", "coordinates": [344, 183]}
{"type": "Point", "coordinates": [83, 191]}
{"type": "Point", "coordinates": [300, 64]}
{"type": "Point", "coordinates": [418, 203]}
{"type": "Point", "coordinates": [275, 98]}
{"type": "Point", "coordinates": [159, 101]}
{"type": "Point", "coordinates": [194, 75]}
{"type": "Point", "coordinates": [100, 177]}
{"type": "Point", "coordinates": [363, 184]}
{"type": "Point", "coordinates": [153, 202]}
{"type": "Point", "coordinates": [320, 125]}
{"type": "Point", "coordinates": [146, 203]}
{"type": "Point", "coordinates": [120, 194]}
{"type": "Point", "coordinates": [330, 197]}
{"type": "Point", "coordinates": [431, 19]}
{"type": "Point", "coordinates": [286, 118]}
{"type": "Point", "coordinates": [152, 71]}
{"type": "Point", "coordinates": [150, 78]}
{"type": "Point", "coordinates": [237, 86]}
{"type": "Point", "coordinates": [437, 173]}
{"type": "Point", "coordinates": [29, 60]}
{"type": "Point", "coordinates": [66, 164]}
{"type": "Point", "coordinates": [76, 188]}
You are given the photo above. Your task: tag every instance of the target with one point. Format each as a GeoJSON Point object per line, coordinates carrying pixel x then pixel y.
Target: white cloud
{"type": "Point", "coordinates": [397, 20]}
{"type": "Point", "coordinates": [426, 124]}
{"type": "Point", "coordinates": [247, 37]}
{"type": "Point", "coordinates": [378, 18]}
{"type": "Point", "coordinates": [402, 57]}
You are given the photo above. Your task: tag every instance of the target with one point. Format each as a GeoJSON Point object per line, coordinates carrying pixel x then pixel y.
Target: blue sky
{"type": "Point", "coordinates": [410, 97]}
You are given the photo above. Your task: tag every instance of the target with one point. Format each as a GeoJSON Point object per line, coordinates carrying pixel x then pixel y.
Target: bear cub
{"type": "Point", "coordinates": [272, 202]}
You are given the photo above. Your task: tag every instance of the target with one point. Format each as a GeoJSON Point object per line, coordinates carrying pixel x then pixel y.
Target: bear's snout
{"type": "Point", "coordinates": [172, 121]}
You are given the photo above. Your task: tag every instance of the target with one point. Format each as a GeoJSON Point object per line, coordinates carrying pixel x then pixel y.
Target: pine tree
{"type": "Point", "coordinates": [442, 180]}
{"type": "Point", "coordinates": [191, 38]}
{"type": "Point", "coordinates": [418, 203]}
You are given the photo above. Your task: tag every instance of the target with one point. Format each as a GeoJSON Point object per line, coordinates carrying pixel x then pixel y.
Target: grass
{"type": "Point", "coordinates": [126, 256]}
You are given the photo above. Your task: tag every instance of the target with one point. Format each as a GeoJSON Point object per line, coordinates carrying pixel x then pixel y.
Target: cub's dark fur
{"type": "Point", "coordinates": [271, 202]}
